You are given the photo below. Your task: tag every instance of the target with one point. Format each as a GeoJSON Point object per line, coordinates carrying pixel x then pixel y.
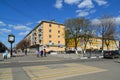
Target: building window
{"type": "Point", "coordinates": [58, 42]}
{"type": "Point", "coordinates": [50, 36]}
{"type": "Point", "coordinates": [40, 35]}
{"type": "Point", "coordinates": [50, 25]}
{"type": "Point", "coordinates": [50, 41]}
{"type": "Point", "coordinates": [59, 31]}
{"type": "Point", "coordinates": [50, 30]}
{"type": "Point", "coordinates": [58, 36]}
{"type": "Point", "coordinates": [39, 41]}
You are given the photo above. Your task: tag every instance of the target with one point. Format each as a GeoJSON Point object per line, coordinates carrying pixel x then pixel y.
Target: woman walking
{"type": "Point", "coordinates": [37, 53]}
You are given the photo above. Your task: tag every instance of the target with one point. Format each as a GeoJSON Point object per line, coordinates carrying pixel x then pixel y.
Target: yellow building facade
{"type": "Point", "coordinates": [49, 35]}
{"type": "Point", "coordinates": [94, 43]}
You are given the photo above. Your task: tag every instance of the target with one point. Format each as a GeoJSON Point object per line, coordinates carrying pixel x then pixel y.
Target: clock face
{"type": "Point", "coordinates": [11, 38]}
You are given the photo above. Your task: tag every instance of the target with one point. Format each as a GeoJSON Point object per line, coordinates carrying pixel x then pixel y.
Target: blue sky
{"type": "Point", "coordinates": [21, 16]}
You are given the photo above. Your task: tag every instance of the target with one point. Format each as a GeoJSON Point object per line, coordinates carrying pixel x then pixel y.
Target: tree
{"type": "Point", "coordinates": [23, 44]}
{"type": "Point", "coordinates": [75, 26]}
{"type": "Point", "coordinates": [116, 35]}
{"type": "Point", "coordinates": [67, 37]}
{"type": "Point", "coordinates": [106, 29]}
{"type": "Point", "coordinates": [109, 36]}
{"type": "Point", "coordinates": [86, 36]}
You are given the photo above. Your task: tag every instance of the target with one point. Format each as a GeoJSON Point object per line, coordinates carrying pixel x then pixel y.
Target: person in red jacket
{"type": "Point", "coordinates": [44, 52]}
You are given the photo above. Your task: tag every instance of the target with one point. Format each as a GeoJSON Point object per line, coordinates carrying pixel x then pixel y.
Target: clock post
{"type": "Point", "coordinates": [11, 39]}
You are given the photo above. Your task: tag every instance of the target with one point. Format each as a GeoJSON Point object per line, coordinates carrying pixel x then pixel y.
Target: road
{"type": "Point", "coordinates": [58, 68]}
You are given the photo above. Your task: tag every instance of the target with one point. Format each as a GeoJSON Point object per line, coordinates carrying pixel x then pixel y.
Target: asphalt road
{"type": "Point", "coordinates": [111, 66]}
{"type": "Point", "coordinates": [112, 73]}
{"type": "Point", "coordinates": [15, 64]}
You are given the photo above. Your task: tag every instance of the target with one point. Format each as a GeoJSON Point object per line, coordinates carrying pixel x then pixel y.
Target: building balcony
{"type": "Point", "coordinates": [40, 33]}
{"type": "Point", "coordinates": [40, 38]}
{"type": "Point", "coordinates": [40, 27]}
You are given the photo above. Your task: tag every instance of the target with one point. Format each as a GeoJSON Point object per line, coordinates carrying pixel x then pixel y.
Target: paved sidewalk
{"type": "Point", "coordinates": [75, 56]}
{"type": "Point", "coordinates": [31, 57]}
{"type": "Point", "coordinates": [118, 60]}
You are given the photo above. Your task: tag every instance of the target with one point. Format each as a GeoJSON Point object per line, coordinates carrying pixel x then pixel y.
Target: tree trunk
{"type": "Point", "coordinates": [116, 44]}
{"type": "Point", "coordinates": [86, 41]}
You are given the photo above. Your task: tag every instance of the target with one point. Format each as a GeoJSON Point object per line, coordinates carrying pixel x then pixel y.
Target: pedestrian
{"type": "Point", "coordinates": [37, 53]}
{"type": "Point", "coordinates": [41, 53]}
{"type": "Point", "coordinates": [5, 54]}
{"type": "Point", "coordinates": [45, 53]}
{"type": "Point", "coordinates": [26, 52]}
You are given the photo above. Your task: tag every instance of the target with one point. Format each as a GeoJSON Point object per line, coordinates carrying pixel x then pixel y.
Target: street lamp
{"type": "Point", "coordinates": [11, 39]}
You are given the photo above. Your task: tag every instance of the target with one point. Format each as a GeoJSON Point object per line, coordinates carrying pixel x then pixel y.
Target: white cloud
{"type": "Point", "coordinates": [30, 23]}
{"type": "Point", "coordinates": [92, 11]}
{"type": "Point", "coordinates": [117, 19]}
{"type": "Point", "coordinates": [71, 1]}
{"type": "Point", "coordinates": [4, 30]}
{"type": "Point", "coordinates": [58, 4]}
{"type": "Point", "coordinates": [2, 23]}
{"type": "Point", "coordinates": [86, 4]}
{"type": "Point", "coordinates": [96, 22]}
{"type": "Point", "coordinates": [23, 33]}
{"type": "Point", "coordinates": [101, 2]}
{"type": "Point", "coordinates": [82, 13]}
{"type": "Point", "coordinates": [21, 27]}
{"type": "Point", "coordinates": [10, 25]}
{"type": "Point", "coordinates": [108, 20]}
{"type": "Point", "coordinates": [39, 21]}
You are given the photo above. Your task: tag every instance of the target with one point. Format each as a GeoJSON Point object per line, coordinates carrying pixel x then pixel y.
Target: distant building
{"type": "Point", "coordinates": [95, 43]}
{"type": "Point", "coordinates": [47, 34]}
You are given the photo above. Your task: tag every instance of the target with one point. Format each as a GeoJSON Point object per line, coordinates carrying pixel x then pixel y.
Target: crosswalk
{"type": "Point", "coordinates": [69, 70]}
{"type": "Point", "coordinates": [6, 74]}
{"type": "Point", "coordinates": [52, 71]}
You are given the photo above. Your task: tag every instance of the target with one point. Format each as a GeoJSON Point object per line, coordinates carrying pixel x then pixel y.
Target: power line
{"type": "Point", "coordinates": [17, 10]}
{"type": "Point", "coordinates": [11, 20]}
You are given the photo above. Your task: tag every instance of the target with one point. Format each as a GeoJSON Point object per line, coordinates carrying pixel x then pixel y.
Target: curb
{"type": "Point", "coordinates": [91, 57]}
{"type": "Point", "coordinates": [118, 61]}
{"type": "Point", "coordinates": [77, 57]}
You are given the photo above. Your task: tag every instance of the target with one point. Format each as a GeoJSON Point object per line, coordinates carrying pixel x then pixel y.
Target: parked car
{"type": "Point", "coordinates": [111, 54]}
{"type": "Point", "coordinates": [51, 51]}
{"type": "Point", "coordinates": [70, 52]}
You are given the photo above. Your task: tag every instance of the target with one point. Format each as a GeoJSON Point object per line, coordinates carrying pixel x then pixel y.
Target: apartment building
{"type": "Point", "coordinates": [49, 35]}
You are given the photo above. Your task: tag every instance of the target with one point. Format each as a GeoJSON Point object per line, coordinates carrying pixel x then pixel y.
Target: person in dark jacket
{"type": "Point", "coordinates": [41, 53]}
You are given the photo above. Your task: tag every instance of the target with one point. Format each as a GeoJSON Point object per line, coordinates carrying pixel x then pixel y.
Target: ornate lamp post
{"type": "Point", "coordinates": [11, 39]}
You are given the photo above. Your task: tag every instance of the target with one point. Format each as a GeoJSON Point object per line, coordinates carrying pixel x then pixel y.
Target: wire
{"type": "Point", "coordinates": [18, 11]}
{"type": "Point", "coordinates": [11, 20]}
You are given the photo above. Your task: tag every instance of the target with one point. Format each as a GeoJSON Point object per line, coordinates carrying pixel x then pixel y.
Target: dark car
{"type": "Point", "coordinates": [49, 52]}
{"type": "Point", "coordinates": [70, 52]}
{"type": "Point", "coordinates": [111, 54]}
